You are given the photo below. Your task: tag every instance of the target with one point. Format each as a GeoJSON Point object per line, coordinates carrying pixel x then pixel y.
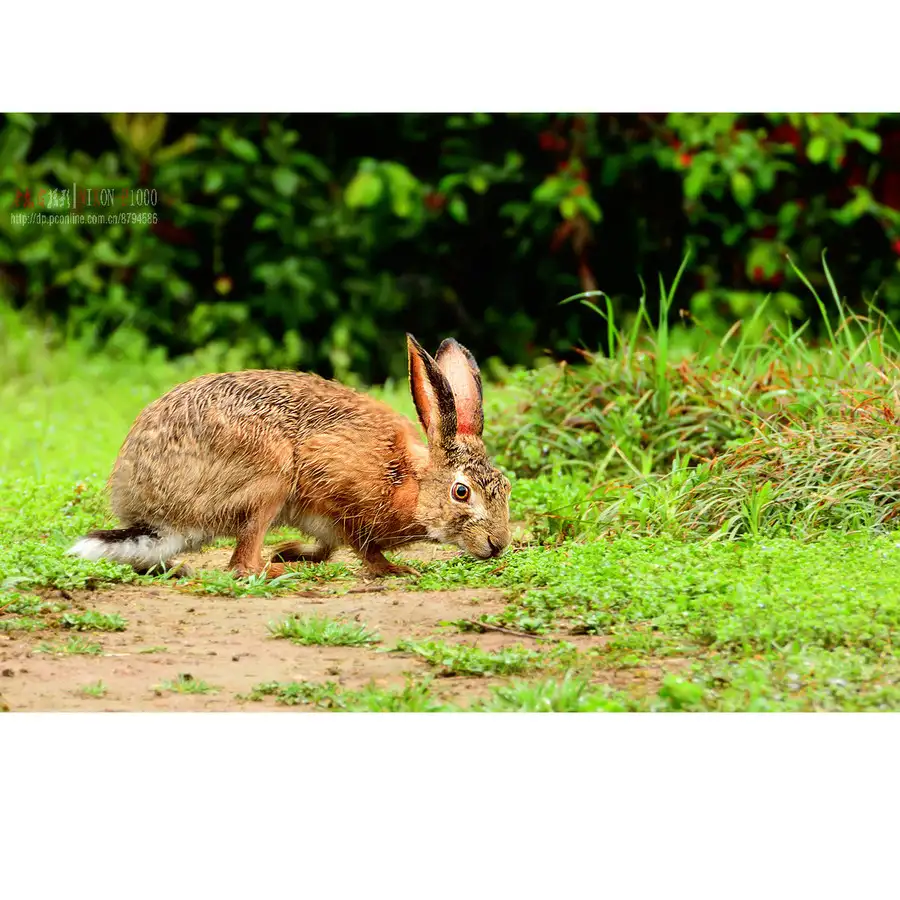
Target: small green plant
{"type": "Point", "coordinates": [185, 683]}
{"type": "Point", "coordinates": [462, 659]}
{"type": "Point", "coordinates": [21, 623]}
{"type": "Point", "coordinates": [413, 697]}
{"type": "Point", "coordinates": [569, 695]}
{"type": "Point", "coordinates": [318, 630]}
{"type": "Point", "coordinates": [226, 583]}
{"type": "Point", "coordinates": [90, 620]}
{"type": "Point", "coordinates": [97, 690]}
{"type": "Point", "coordinates": [27, 605]}
{"type": "Point", "coordinates": [298, 693]}
{"type": "Point", "coordinates": [74, 646]}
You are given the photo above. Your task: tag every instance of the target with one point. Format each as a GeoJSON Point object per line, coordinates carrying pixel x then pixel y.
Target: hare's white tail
{"type": "Point", "coordinates": [139, 546]}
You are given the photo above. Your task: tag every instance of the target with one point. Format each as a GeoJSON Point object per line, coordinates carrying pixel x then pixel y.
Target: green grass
{"type": "Point", "coordinates": [21, 623]}
{"type": "Point", "coordinates": [224, 583]}
{"type": "Point", "coordinates": [74, 646]}
{"type": "Point", "coordinates": [185, 683]}
{"type": "Point", "coordinates": [329, 696]}
{"type": "Point", "coordinates": [464, 659]}
{"type": "Point", "coordinates": [90, 620]}
{"type": "Point", "coordinates": [569, 694]}
{"type": "Point", "coordinates": [320, 631]}
{"type": "Point", "coordinates": [97, 691]}
{"type": "Point", "coordinates": [709, 523]}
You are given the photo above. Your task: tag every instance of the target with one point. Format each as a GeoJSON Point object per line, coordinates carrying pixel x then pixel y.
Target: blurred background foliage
{"type": "Point", "coordinates": [316, 241]}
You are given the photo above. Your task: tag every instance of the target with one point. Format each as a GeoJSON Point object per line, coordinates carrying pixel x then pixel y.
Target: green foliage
{"type": "Point", "coordinates": [91, 620]}
{"type": "Point", "coordinates": [321, 631]}
{"type": "Point", "coordinates": [463, 659]}
{"type": "Point", "coordinates": [413, 697]}
{"type": "Point", "coordinates": [74, 646]}
{"type": "Point", "coordinates": [97, 690]}
{"type": "Point", "coordinates": [568, 694]}
{"type": "Point", "coordinates": [185, 683]}
{"type": "Point", "coordinates": [317, 241]}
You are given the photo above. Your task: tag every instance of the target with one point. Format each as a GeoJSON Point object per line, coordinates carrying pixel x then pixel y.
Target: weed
{"type": "Point", "coordinates": [411, 698]}
{"type": "Point", "coordinates": [223, 582]}
{"type": "Point", "coordinates": [97, 690]}
{"type": "Point", "coordinates": [569, 695]}
{"type": "Point", "coordinates": [23, 623]}
{"type": "Point", "coordinates": [74, 646]}
{"type": "Point", "coordinates": [185, 683]}
{"type": "Point", "coordinates": [462, 659]}
{"type": "Point", "coordinates": [90, 620]}
{"type": "Point", "coordinates": [317, 630]}
{"type": "Point", "coordinates": [298, 693]}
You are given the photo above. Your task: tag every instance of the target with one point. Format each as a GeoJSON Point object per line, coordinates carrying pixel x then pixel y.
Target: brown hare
{"type": "Point", "coordinates": [239, 453]}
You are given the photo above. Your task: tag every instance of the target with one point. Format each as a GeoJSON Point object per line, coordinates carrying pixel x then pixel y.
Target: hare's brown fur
{"type": "Point", "coordinates": [235, 454]}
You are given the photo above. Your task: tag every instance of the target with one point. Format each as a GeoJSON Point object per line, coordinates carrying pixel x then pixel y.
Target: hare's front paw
{"type": "Point", "coordinates": [378, 565]}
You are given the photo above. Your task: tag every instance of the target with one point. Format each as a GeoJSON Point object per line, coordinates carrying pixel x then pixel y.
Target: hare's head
{"type": "Point", "coordinates": [463, 499]}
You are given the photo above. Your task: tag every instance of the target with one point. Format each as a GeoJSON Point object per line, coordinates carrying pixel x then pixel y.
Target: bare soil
{"type": "Point", "coordinates": [225, 642]}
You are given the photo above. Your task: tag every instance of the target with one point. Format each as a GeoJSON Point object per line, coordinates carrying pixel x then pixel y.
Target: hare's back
{"type": "Point", "coordinates": [291, 398]}
{"type": "Point", "coordinates": [209, 441]}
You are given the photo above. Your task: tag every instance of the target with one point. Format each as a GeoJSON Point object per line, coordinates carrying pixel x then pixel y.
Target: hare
{"type": "Point", "coordinates": [235, 454]}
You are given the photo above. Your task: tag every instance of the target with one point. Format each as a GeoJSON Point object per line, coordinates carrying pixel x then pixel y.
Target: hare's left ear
{"type": "Point", "coordinates": [461, 371]}
{"type": "Point", "coordinates": [431, 394]}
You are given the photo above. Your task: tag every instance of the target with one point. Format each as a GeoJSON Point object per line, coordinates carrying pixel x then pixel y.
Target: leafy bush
{"type": "Point", "coordinates": [316, 241]}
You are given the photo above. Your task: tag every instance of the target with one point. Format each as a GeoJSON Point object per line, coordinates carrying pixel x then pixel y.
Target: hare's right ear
{"type": "Point", "coordinates": [432, 395]}
{"type": "Point", "coordinates": [462, 374]}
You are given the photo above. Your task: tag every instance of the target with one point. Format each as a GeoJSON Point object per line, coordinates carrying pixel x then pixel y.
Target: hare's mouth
{"type": "Point", "coordinates": [489, 549]}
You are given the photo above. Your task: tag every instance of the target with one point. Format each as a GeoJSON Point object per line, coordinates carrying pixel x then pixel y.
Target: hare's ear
{"type": "Point", "coordinates": [432, 395]}
{"type": "Point", "coordinates": [461, 371]}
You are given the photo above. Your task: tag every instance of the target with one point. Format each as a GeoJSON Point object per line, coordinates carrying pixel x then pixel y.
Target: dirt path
{"type": "Point", "coordinates": [224, 641]}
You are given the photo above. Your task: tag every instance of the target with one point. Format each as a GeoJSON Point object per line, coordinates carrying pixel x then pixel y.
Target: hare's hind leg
{"type": "Point", "coordinates": [328, 538]}
{"type": "Point", "coordinates": [296, 551]}
{"type": "Point", "coordinates": [247, 558]}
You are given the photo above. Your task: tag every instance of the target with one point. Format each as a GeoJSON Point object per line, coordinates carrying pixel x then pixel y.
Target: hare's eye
{"type": "Point", "coordinates": [460, 492]}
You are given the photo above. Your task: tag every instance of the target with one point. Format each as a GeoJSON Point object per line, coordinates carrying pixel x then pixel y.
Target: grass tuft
{"type": "Point", "coordinates": [320, 631]}
{"type": "Point", "coordinates": [185, 683]}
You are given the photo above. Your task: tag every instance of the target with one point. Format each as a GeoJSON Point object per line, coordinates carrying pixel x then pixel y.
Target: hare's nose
{"type": "Point", "coordinates": [496, 549]}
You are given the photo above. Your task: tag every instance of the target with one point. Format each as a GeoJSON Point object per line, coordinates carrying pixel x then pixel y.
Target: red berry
{"type": "Point", "coordinates": [685, 159]}
{"type": "Point", "coordinates": [547, 140]}
{"type": "Point", "coordinates": [579, 190]}
{"type": "Point", "coordinates": [758, 274]}
{"type": "Point", "coordinates": [896, 246]}
{"type": "Point", "coordinates": [786, 134]}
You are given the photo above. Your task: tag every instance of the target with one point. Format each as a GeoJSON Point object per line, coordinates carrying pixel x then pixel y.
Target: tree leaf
{"type": "Point", "coordinates": [458, 209]}
{"type": "Point", "coordinates": [285, 181]}
{"type": "Point", "coordinates": [742, 188]}
{"type": "Point", "coordinates": [240, 147]}
{"type": "Point", "coordinates": [364, 190]}
{"type": "Point", "coordinates": [568, 207]}
{"type": "Point", "coordinates": [817, 149]}
{"type": "Point", "coordinates": [868, 139]}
